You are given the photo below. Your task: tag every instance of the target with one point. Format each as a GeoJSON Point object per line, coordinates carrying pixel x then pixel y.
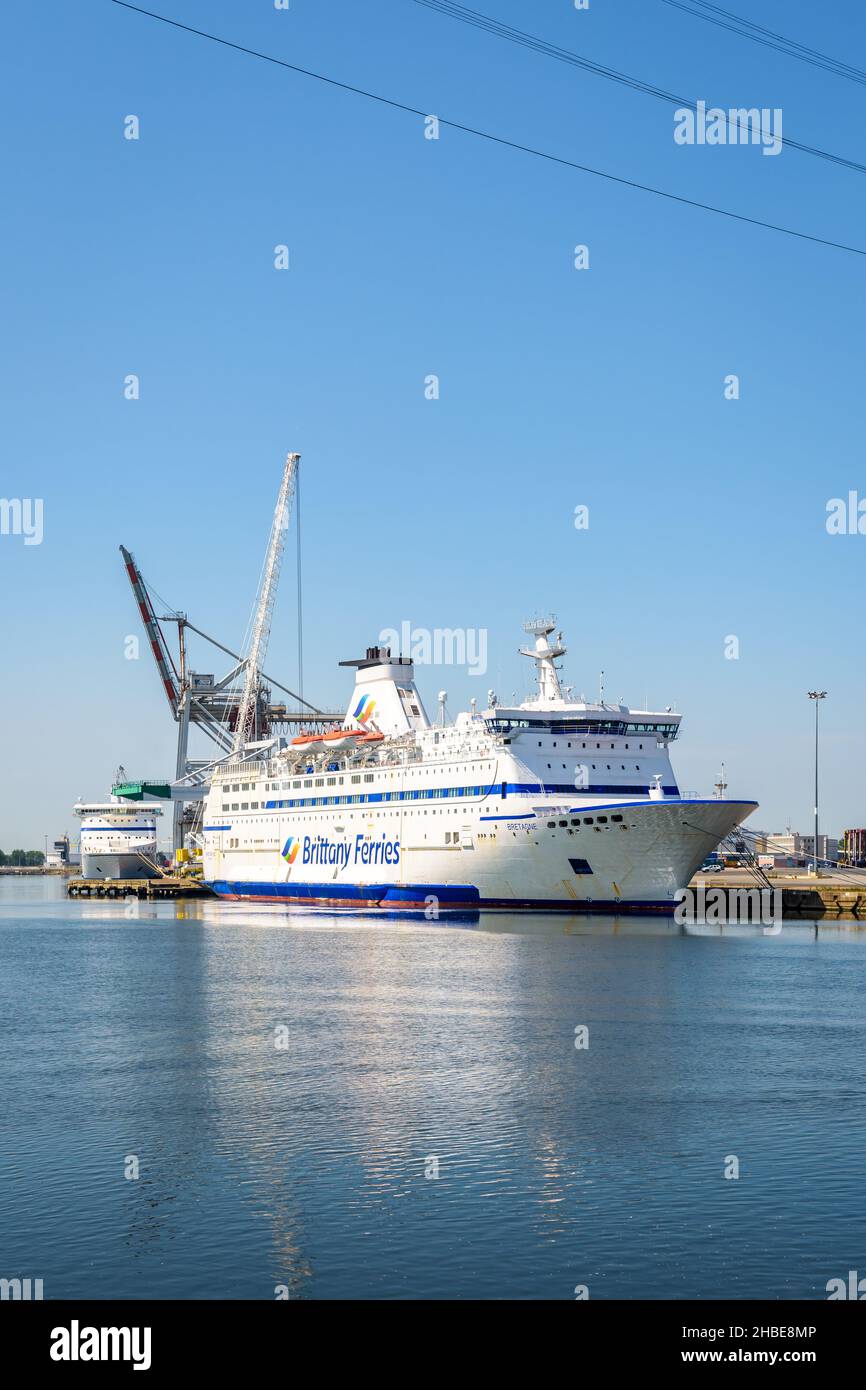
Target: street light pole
{"type": "Point", "coordinates": [816, 695]}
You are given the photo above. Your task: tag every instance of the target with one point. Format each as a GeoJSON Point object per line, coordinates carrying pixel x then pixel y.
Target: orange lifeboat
{"type": "Point", "coordinates": [304, 739]}
{"type": "Point", "coordinates": [340, 738]}
{"type": "Point", "coordinates": [372, 738]}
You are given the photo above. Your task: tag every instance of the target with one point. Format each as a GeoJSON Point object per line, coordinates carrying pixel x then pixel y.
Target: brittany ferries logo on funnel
{"type": "Point", "coordinates": [364, 709]}
{"type": "Point", "coordinates": [290, 849]}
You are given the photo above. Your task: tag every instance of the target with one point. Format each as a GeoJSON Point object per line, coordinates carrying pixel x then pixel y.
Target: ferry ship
{"type": "Point", "coordinates": [118, 839]}
{"type": "Point", "coordinates": [554, 803]}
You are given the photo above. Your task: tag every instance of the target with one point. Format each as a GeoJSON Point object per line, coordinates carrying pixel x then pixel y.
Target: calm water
{"type": "Point", "coordinates": [305, 1166]}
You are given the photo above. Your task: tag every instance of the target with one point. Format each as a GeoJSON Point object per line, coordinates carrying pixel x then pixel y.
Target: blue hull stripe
{"type": "Point", "coordinates": [449, 896]}
{"type": "Point", "coordinates": [396, 893]}
{"type": "Point", "coordinates": [671, 798]}
{"type": "Point", "coordinates": [113, 829]}
{"type": "Point", "coordinates": [461, 794]}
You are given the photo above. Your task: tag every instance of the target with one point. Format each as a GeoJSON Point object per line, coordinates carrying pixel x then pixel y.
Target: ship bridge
{"type": "Point", "coordinates": [580, 745]}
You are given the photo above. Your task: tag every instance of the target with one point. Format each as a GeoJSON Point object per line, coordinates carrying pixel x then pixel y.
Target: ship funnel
{"type": "Point", "coordinates": [385, 698]}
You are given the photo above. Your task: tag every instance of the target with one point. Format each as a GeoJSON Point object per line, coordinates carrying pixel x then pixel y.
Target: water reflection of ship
{"type": "Point", "coordinates": [183, 1116]}
{"type": "Point", "coordinates": [399, 1051]}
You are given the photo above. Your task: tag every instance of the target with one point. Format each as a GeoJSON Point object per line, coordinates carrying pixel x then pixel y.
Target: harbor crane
{"type": "Point", "coordinates": [261, 629]}
{"type": "Point", "coordinates": [232, 710]}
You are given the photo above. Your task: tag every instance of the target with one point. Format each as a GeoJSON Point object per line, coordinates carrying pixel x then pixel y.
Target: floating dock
{"type": "Point", "coordinates": [169, 886]}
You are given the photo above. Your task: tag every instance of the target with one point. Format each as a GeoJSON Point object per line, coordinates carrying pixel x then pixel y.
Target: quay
{"type": "Point", "coordinates": [833, 894]}
{"type": "Point", "coordinates": [168, 886]}
{"type": "Point", "coordinates": [25, 870]}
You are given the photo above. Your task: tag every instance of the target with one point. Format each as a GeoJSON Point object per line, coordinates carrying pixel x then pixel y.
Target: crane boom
{"type": "Point", "coordinates": [153, 630]}
{"type": "Point", "coordinates": [261, 629]}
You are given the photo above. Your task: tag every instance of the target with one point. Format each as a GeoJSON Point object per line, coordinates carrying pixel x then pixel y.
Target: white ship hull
{"type": "Point", "coordinates": [637, 863]}
{"type": "Point", "coordinates": [111, 866]}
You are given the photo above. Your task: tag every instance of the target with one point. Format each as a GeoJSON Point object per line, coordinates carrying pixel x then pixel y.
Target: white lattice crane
{"type": "Point", "coordinates": [261, 626]}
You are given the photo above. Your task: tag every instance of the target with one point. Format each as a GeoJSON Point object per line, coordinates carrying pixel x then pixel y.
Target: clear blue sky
{"type": "Point", "coordinates": [411, 257]}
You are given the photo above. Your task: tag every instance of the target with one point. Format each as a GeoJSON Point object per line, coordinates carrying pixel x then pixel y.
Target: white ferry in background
{"type": "Point", "coordinates": [554, 803]}
{"type": "Point", "coordinates": [118, 839]}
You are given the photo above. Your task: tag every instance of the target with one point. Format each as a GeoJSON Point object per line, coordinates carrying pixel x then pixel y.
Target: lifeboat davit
{"type": "Point", "coordinates": [340, 738]}
{"type": "Point", "coordinates": [303, 740]}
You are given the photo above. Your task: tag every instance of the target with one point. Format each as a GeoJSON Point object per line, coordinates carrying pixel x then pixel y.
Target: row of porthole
{"type": "Point", "coordinates": [352, 811]}
{"type": "Point", "coordinates": [592, 766]}
{"type": "Point", "coordinates": [587, 820]}
{"type": "Point", "coordinates": [583, 745]}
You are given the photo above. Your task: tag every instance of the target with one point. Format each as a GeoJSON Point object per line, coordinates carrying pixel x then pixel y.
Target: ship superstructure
{"type": "Point", "coordinates": [553, 803]}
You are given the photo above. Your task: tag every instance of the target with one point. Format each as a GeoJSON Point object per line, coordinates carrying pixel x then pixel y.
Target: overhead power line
{"type": "Point", "coordinates": [477, 20]}
{"type": "Point", "coordinates": [747, 29]}
{"type": "Point", "coordinates": [496, 139]}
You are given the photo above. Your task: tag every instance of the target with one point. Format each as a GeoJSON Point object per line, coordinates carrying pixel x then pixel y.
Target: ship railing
{"type": "Point", "coordinates": [241, 768]}
{"type": "Point", "coordinates": [151, 864]}
{"type": "Point", "coordinates": [398, 752]}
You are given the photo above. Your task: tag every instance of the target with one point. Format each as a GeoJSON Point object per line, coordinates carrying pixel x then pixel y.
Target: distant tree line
{"type": "Point", "coordinates": [22, 859]}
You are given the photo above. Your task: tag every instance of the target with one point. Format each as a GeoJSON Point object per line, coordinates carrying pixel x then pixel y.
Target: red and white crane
{"type": "Point", "coordinates": [153, 631]}
{"type": "Point", "coordinates": [235, 709]}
